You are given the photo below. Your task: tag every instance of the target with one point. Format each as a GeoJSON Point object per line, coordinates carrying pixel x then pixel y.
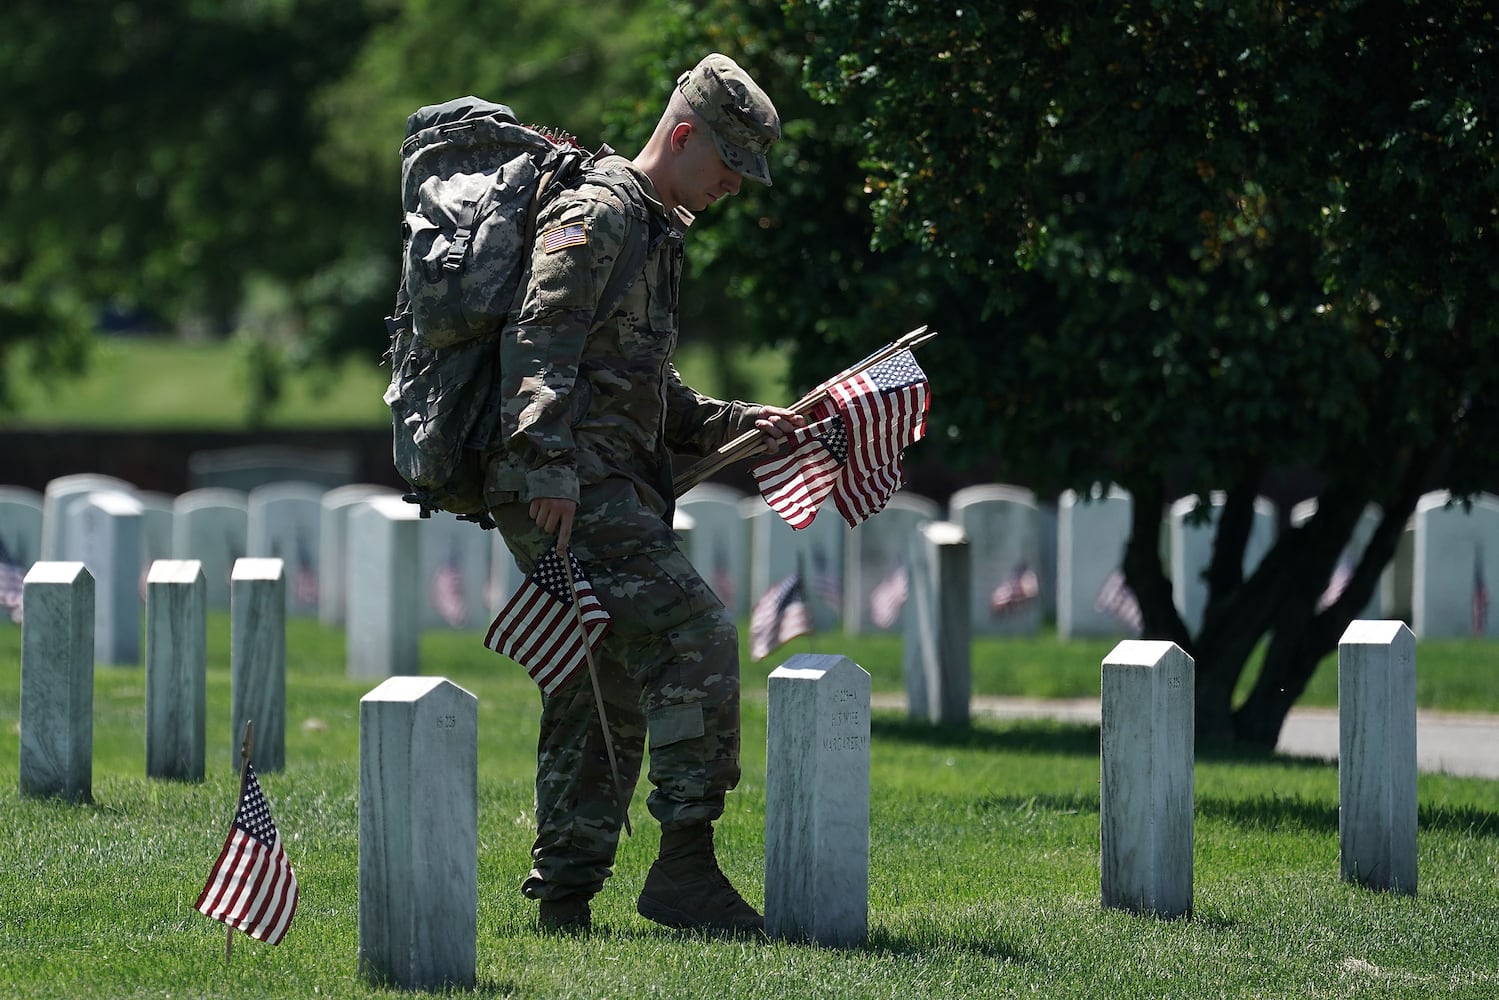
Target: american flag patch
{"type": "Point", "coordinates": [574, 234]}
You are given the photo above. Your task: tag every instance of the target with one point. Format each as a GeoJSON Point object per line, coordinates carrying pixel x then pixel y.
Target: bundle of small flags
{"type": "Point", "coordinates": [852, 446]}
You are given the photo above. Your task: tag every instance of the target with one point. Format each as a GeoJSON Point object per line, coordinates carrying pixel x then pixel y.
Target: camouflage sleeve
{"type": "Point", "coordinates": [577, 241]}
{"type": "Point", "coordinates": [698, 424]}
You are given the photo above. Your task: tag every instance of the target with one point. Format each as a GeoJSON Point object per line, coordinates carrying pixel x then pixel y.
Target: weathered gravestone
{"type": "Point", "coordinates": [453, 563]}
{"type": "Point", "coordinates": [1377, 755]}
{"type": "Point", "coordinates": [282, 522]}
{"type": "Point", "coordinates": [817, 801]}
{"type": "Point", "coordinates": [20, 544]}
{"type": "Point", "coordinates": [257, 660]}
{"type": "Point", "coordinates": [103, 531]}
{"type": "Point", "coordinates": [1004, 529]}
{"type": "Point", "coordinates": [1192, 550]}
{"type": "Point", "coordinates": [719, 547]}
{"type": "Point", "coordinates": [209, 525]}
{"type": "Point", "coordinates": [176, 669]}
{"type": "Point", "coordinates": [938, 637]}
{"type": "Point", "coordinates": [1091, 535]}
{"type": "Point", "coordinates": [1145, 795]}
{"type": "Point", "coordinates": [57, 682]}
{"type": "Point", "coordinates": [418, 834]}
{"type": "Point", "coordinates": [816, 551]}
{"type": "Point", "coordinates": [1456, 554]}
{"type": "Point", "coordinates": [58, 493]}
{"type": "Point", "coordinates": [384, 630]}
{"type": "Point", "coordinates": [877, 556]}
{"type": "Point", "coordinates": [333, 547]}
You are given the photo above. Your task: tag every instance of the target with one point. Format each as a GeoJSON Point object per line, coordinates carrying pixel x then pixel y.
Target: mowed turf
{"type": "Point", "coordinates": [984, 858]}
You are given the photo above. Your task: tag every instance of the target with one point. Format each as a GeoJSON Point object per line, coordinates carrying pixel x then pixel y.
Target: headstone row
{"type": "Point", "coordinates": [1031, 562]}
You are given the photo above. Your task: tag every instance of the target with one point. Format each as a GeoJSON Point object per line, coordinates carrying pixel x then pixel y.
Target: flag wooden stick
{"type": "Point", "coordinates": [244, 775]}
{"type": "Point", "coordinates": [753, 442]}
{"type": "Point", "coordinates": [598, 697]}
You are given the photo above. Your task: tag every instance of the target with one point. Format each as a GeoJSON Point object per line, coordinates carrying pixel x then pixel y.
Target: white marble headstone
{"type": "Point", "coordinates": [384, 627]}
{"type": "Point", "coordinates": [57, 682]}
{"type": "Point", "coordinates": [418, 834]}
{"type": "Point", "coordinates": [817, 801]}
{"type": "Point", "coordinates": [1377, 755]}
{"type": "Point", "coordinates": [209, 525]}
{"type": "Point", "coordinates": [1004, 529]}
{"type": "Point", "coordinates": [1091, 535]}
{"type": "Point", "coordinates": [877, 550]}
{"type": "Point", "coordinates": [938, 638]}
{"type": "Point", "coordinates": [57, 494]}
{"type": "Point", "coordinates": [454, 569]}
{"type": "Point", "coordinates": [257, 660]}
{"type": "Point", "coordinates": [1456, 567]}
{"type": "Point", "coordinates": [777, 551]}
{"type": "Point", "coordinates": [176, 669]}
{"type": "Point", "coordinates": [103, 531]}
{"type": "Point", "coordinates": [719, 548]}
{"type": "Point", "coordinates": [333, 558]}
{"type": "Point", "coordinates": [1146, 788]}
{"type": "Point", "coordinates": [283, 521]}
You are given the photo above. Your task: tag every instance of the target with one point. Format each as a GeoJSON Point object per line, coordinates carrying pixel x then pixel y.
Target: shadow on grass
{"type": "Point", "coordinates": [1046, 736]}
{"type": "Point", "coordinates": [1007, 736]}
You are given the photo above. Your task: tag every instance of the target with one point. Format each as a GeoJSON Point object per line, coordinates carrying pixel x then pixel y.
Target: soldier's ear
{"type": "Point", "coordinates": [680, 133]}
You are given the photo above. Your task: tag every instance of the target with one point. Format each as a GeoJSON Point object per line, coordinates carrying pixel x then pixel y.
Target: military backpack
{"type": "Point", "coordinates": [473, 179]}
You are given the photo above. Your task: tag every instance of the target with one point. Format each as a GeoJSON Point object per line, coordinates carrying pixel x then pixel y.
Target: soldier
{"type": "Point", "coordinates": [594, 408]}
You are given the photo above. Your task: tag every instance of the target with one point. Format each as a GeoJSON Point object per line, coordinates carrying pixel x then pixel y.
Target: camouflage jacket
{"type": "Point", "coordinates": [585, 402]}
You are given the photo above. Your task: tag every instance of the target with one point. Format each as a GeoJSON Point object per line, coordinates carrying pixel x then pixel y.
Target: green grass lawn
{"type": "Point", "coordinates": [984, 859]}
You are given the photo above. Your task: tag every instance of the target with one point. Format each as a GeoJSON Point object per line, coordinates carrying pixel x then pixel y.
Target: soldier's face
{"type": "Point", "coordinates": [703, 177]}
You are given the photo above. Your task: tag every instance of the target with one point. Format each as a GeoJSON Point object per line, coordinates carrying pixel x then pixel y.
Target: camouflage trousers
{"type": "Point", "coordinates": [669, 674]}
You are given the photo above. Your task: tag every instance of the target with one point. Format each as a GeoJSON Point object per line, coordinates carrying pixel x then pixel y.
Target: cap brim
{"type": "Point", "coordinates": [742, 161]}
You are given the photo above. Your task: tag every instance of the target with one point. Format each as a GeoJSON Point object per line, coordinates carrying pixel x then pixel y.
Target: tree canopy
{"type": "Point", "coordinates": [1219, 242]}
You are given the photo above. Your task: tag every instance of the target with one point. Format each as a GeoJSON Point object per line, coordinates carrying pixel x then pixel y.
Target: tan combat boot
{"type": "Point", "coordinates": [686, 889]}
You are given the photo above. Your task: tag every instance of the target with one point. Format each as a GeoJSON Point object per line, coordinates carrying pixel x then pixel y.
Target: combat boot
{"type": "Point", "coordinates": [568, 915]}
{"type": "Point", "coordinates": [686, 889]}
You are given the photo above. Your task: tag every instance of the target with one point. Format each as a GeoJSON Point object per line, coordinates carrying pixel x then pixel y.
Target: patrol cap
{"type": "Point", "coordinates": [744, 122]}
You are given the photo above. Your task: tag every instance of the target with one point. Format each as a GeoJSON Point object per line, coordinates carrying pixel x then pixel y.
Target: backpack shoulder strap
{"type": "Point", "coordinates": [637, 244]}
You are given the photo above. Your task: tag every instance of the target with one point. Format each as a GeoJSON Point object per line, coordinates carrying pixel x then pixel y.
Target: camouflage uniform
{"type": "Point", "coordinates": [593, 415]}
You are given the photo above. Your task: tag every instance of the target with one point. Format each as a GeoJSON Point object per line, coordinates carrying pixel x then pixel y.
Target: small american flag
{"type": "Point", "coordinates": [539, 628]}
{"type": "Point", "coordinates": [12, 583]}
{"type": "Point", "coordinates": [446, 591]}
{"type": "Point", "coordinates": [306, 583]}
{"type": "Point", "coordinates": [1116, 599]}
{"type": "Point", "coordinates": [723, 576]}
{"type": "Point", "coordinates": [779, 616]}
{"type": "Point", "coordinates": [826, 580]}
{"type": "Point", "coordinates": [574, 234]}
{"type": "Point", "coordinates": [888, 597]}
{"type": "Point", "coordinates": [1014, 591]}
{"type": "Point", "coordinates": [252, 886]}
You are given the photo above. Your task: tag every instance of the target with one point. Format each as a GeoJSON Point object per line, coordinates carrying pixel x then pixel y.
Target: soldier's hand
{"type": "Point", "coordinates": [775, 422]}
{"type": "Point", "coordinates": [555, 514]}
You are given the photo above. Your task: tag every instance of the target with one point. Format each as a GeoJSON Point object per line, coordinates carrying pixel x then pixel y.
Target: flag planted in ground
{"type": "Point", "coordinates": [542, 629]}
{"type": "Point", "coordinates": [1015, 591]}
{"type": "Point", "coordinates": [252, 886]}
{"type": "Point", "coordinates": [888, 597]}
{"type": "Point", "coordinates": [778, 617]}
